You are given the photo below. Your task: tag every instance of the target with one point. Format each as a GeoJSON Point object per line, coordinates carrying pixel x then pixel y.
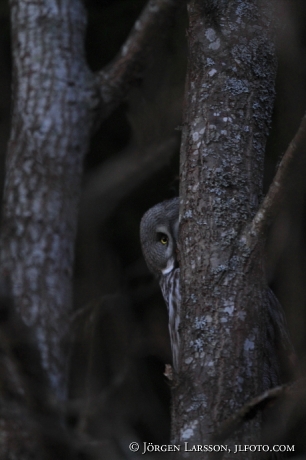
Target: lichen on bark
{"type": "Point", "coordinates": [228, 105]}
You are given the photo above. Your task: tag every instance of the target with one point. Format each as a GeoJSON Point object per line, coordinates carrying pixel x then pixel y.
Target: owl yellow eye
{"type": "Point", "coordinates": [164, 239]}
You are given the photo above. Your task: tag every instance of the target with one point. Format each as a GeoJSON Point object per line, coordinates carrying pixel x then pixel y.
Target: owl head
{"type": "Point", "coordinates": [158, 236]}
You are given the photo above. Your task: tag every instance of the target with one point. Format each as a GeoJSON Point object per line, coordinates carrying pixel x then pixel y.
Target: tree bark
{"type": "Point", "coordinates": [228, 104]}
{"type": "Point", "coordinates": [57, 102]}
{"type": "Point", "coordinates": [54, 97]}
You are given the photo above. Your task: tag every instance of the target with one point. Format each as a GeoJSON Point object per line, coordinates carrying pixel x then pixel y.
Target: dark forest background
{"type": "Point", "coordinates": [121, 339]}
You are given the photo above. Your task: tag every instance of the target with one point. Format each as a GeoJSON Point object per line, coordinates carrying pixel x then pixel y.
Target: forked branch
{"type": "Point", "coordinates": [116, 79]}
{"type": "Point", "coordinates": [277, 191]}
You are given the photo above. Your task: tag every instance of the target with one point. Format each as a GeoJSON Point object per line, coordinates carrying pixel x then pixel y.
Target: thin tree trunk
{"type": "Point", "coordinates": [56, 102]}
{"type": "Point", "coordinates": [51, 125]}
{"type": "Point", "coordinates": [228, 105]}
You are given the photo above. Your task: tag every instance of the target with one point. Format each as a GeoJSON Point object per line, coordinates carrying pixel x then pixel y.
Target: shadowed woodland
{"type": "Point", "coordinates": [117, 389]}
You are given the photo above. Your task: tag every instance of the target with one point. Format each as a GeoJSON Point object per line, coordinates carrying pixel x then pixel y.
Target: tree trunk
{"type": "Point", "coordinates": [228, 104]}
{"type": "Point", "coordinates": [53, 96]}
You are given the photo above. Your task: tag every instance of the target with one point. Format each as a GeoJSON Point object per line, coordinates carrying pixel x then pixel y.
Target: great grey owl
{"type": "Point", "coordinates": [158, 236]}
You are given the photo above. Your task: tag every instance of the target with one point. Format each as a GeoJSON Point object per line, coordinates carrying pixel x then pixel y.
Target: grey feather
{"type": "Point", "coordinates": [162, 221]}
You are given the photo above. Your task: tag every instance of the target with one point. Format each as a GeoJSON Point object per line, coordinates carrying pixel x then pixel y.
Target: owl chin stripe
{"type": "Point", "coordinates": [169, 267]}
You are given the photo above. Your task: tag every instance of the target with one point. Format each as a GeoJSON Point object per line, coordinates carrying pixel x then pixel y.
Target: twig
{"type": "Point", "coordinates": [250, 409]}
{"type": "Point", "coordinates": [273, 200]}
{"type": "Point", "coordinates": [116, 79]}
{"type": "Point", "coordinates": [91, 307]}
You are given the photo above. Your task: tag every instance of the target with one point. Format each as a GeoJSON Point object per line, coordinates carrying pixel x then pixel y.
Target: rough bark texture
{"type": "Point", "coordinates": [57, 101]}
{"type": "Point", "coordinates": [51, 124]}
{"type": "Point", "coordinates": [228, 105]}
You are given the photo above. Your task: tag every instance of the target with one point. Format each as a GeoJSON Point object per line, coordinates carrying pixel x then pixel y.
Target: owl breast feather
{"type": "Point", "coordinates": [170, 287]}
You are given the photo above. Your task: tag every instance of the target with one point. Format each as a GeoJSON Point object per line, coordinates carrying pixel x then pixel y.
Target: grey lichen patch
{"type": "Point", "coordinates": [212, 72]}
{"type": "Point", "coordinates": [210, 34]}
{"type": "Point", "coordinates": [229, 235]}
{"type": "Point", "coordinates": [187, 432]}
{"type": "Point", "coordinates": [198, 345]}
{"type": "Point", "coordinates": [188, 214]}
{"type": "Point", "coordinates": [219, 269]}
{"type": "Point", "coordinates": [249, 344]}
{"type": "Point", "coordinates": [215, 45]}
{"type": "Point", "coordinates": [195, 136]}
{"type": "Point", "coordinates": [249, 352]}
{"type": "Point", "coordinates": [247, 12]}
{"type": "Point", "coordinates": [200, 323]}
{"type": "Point", "coordinates": [240, 382]}
{"type": "Point", "coordinates": [193, 298]}
{"type": "Point", "coordinates": [210, 62]}
{"type": "Point", "coordinates": [236, 86]}
{"type": "Point", "coordinates": [229, 307]}
{"type": "Point", "coordinates": [197, 403]}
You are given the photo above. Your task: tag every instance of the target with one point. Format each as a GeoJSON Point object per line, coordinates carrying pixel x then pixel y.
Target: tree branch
{"type": "Point", "coordinates": [250, 409]}
{"type": "Point", "coordinates": [116, 78]}
{"type": "Point", "coordinates": [273, 200]}
{"type": "Point", "coordinates": [119, 176]}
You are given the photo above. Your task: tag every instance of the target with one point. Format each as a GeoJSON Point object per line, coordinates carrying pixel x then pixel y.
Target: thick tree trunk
{"type": "Point", "coordinates": [228, 105]}
{"type": "Point", "coordinates": [51, 125]}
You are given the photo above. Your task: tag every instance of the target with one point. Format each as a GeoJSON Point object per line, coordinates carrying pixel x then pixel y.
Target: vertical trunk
{"type": "Point", "coordinates": [51, 123]}
{"type": "Point", "coordinates": [228, 105]}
